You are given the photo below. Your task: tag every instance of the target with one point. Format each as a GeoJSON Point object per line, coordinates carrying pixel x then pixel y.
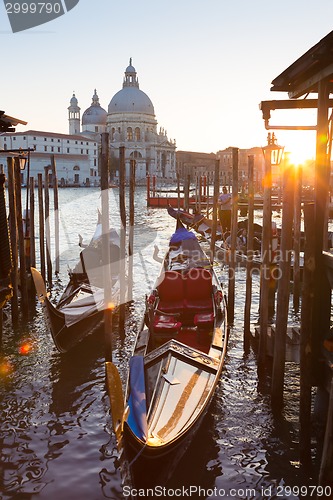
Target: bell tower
{"type": "Point", "coordinates": [74, 116]}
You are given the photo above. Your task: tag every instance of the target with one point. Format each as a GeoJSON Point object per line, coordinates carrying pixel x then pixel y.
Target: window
{"type": "Point", "coordinates": [52, 140]}
{"type": "Point", "coordinates": [24, 137]}
{"type": "Point", "coordinates": [58, 140]}
{"type": "Point", "coordinates": [95, 152]}
{"type": "Point", "coordinates": [4, 139]}
{"type": "Point", "coordinates": [96, 129]}
{"type": "Point", "coordinates": [14, 138]}
{"type": "Point", "coordinates": [67, 142]}
{"type": "Point", "coordinates": [59, 149]}
{"type": "Point", "coordinates": [45, 139]}
{"type": "Point", "coordinates": [67, 150]}
{"type": "Point", "coordinates": [129, 134]}
{"type": "Point", "coordinates": [87, 143]}
{"type": "Point", "coordinates": [81, 151]}
{"type": "Point", "coordinates": [45, 148]}
{"type": "Point", "coordinates": [35, 139]}
{"type": "Point", "coordinates": [75, 142]}
{"type": "Point", "coordinates": [87, 151]}
{"type": "Point", "coordinates": [95, 162]}
{"type": "Point", "coordinates": [137, 133]}
{"type": "Point", "coordinates": [52, 149]}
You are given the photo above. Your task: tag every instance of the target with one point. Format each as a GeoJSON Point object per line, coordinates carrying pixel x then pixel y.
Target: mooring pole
{"type": "Point", "coordinates": [215, 203]}
{"type": "Point", "coordinates": [32, 223]}
{"type": "Point", "coordinates": [297, 238]}
{"type": "Point", "coordinates": [23, 271]}
{"type": "Point", "coordinates": [47, 227]}
{"type": "Point", "coordinates": [266, 262]}
{"type": "Point", "coordinates": [249, 262]}
{"type": "Point", "coordinates": [131, 230]}
{"type": "Point", "coordinates": [13, 238]}
{"type": "Point", "coordinates": [122, 208]}
{"type": "Point", "coordinates": [305, 430]}
{"type": "Point", "coordinates": [56, 214]}
{"type": "Point", "coordinates": [234, 229]}
{"type": "Point", "coordinates": [41, 225]}
{"type": "Point", "coordinates": [107, 277]}
{"type": "Point", "coordinates": [283, 290]}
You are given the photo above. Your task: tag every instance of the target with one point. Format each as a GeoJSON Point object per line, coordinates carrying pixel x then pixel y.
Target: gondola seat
{"type": "Point", "coordinates": [165, 329]}
{"type": "Point", "coordinates": [204, 321]}
{"type": "Point", "coordinates": [171, 293]}
{"type": "Point", "coordinates": [198, 291]}
{"type": "Point", "coordinates": [166, 324]}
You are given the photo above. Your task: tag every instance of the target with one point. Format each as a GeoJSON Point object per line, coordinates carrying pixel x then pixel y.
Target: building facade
{"type": "Point", "coordinates": [76, 156]}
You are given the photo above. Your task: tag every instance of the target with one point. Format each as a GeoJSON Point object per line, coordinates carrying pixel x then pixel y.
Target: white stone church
{"type": "Point", "coordinates": [130, 122]}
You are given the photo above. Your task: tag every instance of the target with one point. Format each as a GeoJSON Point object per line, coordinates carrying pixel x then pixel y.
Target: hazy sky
{"type": "Point", "coordinates": [206, 65]}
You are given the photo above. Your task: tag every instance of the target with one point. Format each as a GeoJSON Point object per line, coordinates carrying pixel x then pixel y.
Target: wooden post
{"type": "Point", "coordinates": [326, 466]}
{"type": "Point", "coordinates": [322, 291]}
{"type": "Point", "coordinates": [56, 214]}
{"type": "Point", "coordinates": [283, 290]}
{"type": "Point", "coordinates": [187, 191]}
{"type": "Point", "coordinates": [178, 191]}
{"type": "Point", "coordinates": [107, 277]}
{"type": "Point", "coordinates": [32, 223]}
{"type": "Point", "coordinates": [266, 263]}
{"type": "Point", "coordinates": [297, 238]}
{"type": "Point", "coordinates": [13, 238]}
{"type": "Point", "coordinates": [41, 226]}
{"type": "Point", "coordinates": [305, 430]}
{"type": "Point", "coordinates": [5, 254]}
{"type": "Point", "coordinates": [23, 272]}
{"type": "Point", "coordinates": [148, 190]}
{"type": "Point", "coordinates": [215, 207]}
{"type": "Point", "coordinates": [47, 227]}
{"type": "Point", "coordinates": [249, 262]}
{"type": "Point", "coordinates": [122, 207]}
{"type": "Point", "coordinates": [131, 231]}
{"type": "Point", "coordinates": [234, 230]}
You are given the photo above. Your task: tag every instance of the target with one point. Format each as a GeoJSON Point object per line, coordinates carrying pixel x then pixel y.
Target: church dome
{"type": "Point", "coordinates": [130, 99]}
{"type": "Point", "coordinates": [95, 114]}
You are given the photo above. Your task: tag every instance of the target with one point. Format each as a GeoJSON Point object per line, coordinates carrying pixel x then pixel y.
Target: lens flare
{"type": "Point", "coordinates": [25, 348]}
{"type": "Point", "coordinates": [5, 367]}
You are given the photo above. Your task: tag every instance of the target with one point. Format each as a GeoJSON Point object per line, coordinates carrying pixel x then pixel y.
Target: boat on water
{"type": "Point", "coordinates": [176, 363]}
{"type": "Point", "coordinates": [203, 226]}
{"type": "Point", "coordinates": [80, 309]}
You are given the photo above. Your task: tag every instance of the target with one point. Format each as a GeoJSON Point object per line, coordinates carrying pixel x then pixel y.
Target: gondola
{"type": "Point", "coordinates": [176, 363]}
{"type": "Point", "coordinates": [203, 226]}
{"type": "Point", "coordinates": [80, 309]}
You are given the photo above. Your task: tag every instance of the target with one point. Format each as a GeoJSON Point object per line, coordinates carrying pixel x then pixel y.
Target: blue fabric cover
{"type": "Point", "coordinates": [181, 234]}
{"type": "Point", "coordinates": [137, 419]}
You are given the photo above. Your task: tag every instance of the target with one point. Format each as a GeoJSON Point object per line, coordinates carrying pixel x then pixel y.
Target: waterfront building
{"type": "Point", "coordinates": [76, 156]}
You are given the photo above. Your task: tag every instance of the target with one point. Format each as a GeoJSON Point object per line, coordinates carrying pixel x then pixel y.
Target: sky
{"type": "Point", "coordinates": [206, 65]}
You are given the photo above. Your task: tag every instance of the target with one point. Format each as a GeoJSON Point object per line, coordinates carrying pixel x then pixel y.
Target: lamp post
{"type": "Point", "coordinates": [272, 155]}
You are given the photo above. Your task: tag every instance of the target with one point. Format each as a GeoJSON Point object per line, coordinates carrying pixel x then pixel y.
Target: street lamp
{"type": "Point", "coordinates": [272, 151]}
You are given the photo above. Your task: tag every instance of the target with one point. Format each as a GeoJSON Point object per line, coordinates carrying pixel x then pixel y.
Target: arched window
{"type": "Point", "coordinates": [137, 134]}
{"type": "Point", "coordinates": [112, 133]}
{"type": "Point", "coordinates": [129, 134]}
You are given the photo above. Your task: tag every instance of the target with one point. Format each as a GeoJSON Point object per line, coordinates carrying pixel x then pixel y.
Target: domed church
{"type": "Point", "coordinates": [130, 122]}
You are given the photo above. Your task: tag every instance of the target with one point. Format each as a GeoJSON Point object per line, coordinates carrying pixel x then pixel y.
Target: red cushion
{"type": "Point", "coordinates": [171, 289]}
{"type": "Point", "coordinates": [198, 284]}
{"type": "Point", "coordinates": [204, 320]}
{"type": "Point", "coordinates": [166, 324]}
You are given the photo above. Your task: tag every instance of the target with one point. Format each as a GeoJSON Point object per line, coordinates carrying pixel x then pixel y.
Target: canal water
{"type": "Point", "coordinates": [55, 426]}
